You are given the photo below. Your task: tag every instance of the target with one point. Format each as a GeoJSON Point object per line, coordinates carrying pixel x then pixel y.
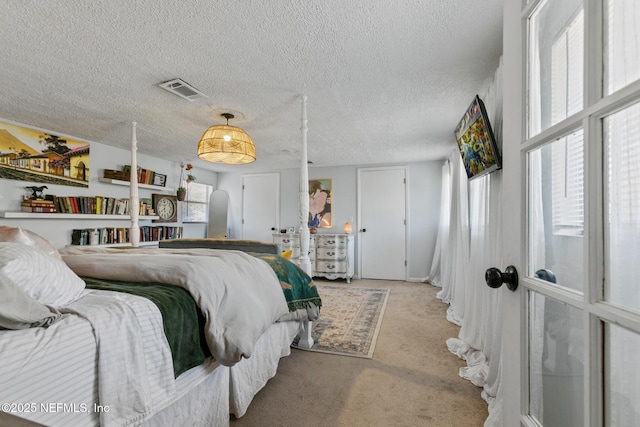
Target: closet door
{"type": "Point", "coordinates": [260, 206]}
{"type": "Point", "coordinates": [382, 207]}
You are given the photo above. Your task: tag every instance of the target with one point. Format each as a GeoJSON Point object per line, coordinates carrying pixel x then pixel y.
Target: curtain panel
{"type": "Point", "coordinates": [469, 241]}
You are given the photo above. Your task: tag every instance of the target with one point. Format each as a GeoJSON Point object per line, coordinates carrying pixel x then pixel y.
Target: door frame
{"type": "Point", "coordinates": [406, 210]}
{"type": "Point", "coordinates": [513, 383]}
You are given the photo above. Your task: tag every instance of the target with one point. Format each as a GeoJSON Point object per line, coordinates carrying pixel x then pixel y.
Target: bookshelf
{"type": "Point", "coordinates": [128, 184]}
{"type": "Point", "coordinates": [36, 215]}
{"type": "Point", "coordinates": [109, 236]}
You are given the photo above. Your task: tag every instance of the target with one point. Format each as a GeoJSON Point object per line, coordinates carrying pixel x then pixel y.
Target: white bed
{"type": "Point", "coordinates": [105, 359]}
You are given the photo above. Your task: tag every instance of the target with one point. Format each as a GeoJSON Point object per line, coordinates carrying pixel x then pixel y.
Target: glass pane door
{"type": "Point", "coordinates": [622, 143]}
{"type": "Point", "coordinates": [555, 59]}
{"type": "Point", "coordinates": [556, 211]}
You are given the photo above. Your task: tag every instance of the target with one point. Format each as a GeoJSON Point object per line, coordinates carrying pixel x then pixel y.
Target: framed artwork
{"type": "Point", "coordinates": [35, 155]}
{"type": "Point", "coordinates": [320, 203]}
{"type": "Point", "coordinates": [159, 179]}
{"type": "Point", "coordinates": [476, 141]}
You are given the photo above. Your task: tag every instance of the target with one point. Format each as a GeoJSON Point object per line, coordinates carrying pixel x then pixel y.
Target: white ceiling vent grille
{"type": "Point", "coordinates": [182, 89]}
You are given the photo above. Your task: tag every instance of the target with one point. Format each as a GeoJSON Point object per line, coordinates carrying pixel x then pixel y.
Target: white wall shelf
{"type": "Point", "coordinates": [36, 215]}
{"type": "Point", "coordinates": [128, 184]}
{"type": "Point", "coordinates": [116, 245]}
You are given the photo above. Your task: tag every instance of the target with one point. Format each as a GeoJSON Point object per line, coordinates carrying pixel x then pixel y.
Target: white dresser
{"type": "Point", "coordinates": [331, 255]}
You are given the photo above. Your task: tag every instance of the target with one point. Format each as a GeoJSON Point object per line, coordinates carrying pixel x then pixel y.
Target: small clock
{"type": "Point", "coordinates": [166, 207]}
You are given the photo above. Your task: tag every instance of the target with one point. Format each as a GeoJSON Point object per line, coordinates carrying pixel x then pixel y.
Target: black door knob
{"type": "Point", "coordinates": [495, 278]}
{"type": "Point", "coordinates": [364, 230]}
{"type": "Point", "coordinates": [273, 229]}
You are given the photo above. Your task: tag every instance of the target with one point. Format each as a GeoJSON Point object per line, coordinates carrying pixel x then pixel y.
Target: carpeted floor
{"type": "Point", "coordinates": [412, 379]}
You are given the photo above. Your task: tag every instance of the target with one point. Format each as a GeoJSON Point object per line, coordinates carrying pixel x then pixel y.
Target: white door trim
{"type": "Point", "coordinates": [406, 208]}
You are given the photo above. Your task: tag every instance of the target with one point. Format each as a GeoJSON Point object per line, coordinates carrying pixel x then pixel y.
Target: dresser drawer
{"type": "Point", "coordinates": [331, 241]}
{"type": "Point", "coordinates": [328, 266]}
{"type": "Point", "coordinates": [331, 253]}
{"type": "Point", "coordinates": [287, 242]}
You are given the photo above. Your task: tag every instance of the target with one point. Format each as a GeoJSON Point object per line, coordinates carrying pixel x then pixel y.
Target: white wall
{"type": "Point", "coordinates": [424, 205]}
{"type": "Point", "coordinates": [102, 157]}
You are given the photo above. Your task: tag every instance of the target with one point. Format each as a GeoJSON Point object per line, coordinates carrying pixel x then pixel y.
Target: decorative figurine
{"type": "Point", "coordinates": [37, 192]}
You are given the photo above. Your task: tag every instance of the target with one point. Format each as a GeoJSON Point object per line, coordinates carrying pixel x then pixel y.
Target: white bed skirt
{"type": "Point", "coordinates": [205, 405]}
{"type": "Point", "coordinates": [249, 376]}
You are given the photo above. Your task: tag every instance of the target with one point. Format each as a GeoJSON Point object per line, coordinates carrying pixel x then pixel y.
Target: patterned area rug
{"type": "Point", "coordinates": [349, 321]}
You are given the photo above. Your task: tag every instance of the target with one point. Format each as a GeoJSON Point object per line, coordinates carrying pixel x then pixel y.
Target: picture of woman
{"type": "Point", "coordinates": [320, 203]}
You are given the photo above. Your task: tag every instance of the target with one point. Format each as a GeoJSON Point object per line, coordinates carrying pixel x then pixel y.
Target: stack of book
{"type": "Point", "coordinates": [116, 174]}
{"type": "Point", "coordinates": [38, 205]}
{"type": "Point", "coordinates": [145, 176]}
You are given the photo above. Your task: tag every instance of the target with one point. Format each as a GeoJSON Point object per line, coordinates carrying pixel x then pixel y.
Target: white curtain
{"type": "Point", "coordinates": [472, 213]}
{"type": "Point", "coordinates": [456, 255]}
{"type": "Point", "coordinates": [442, 240]}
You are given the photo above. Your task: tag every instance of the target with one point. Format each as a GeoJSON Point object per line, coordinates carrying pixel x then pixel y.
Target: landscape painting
{"type": "Point", "coordinates": [38, 156]}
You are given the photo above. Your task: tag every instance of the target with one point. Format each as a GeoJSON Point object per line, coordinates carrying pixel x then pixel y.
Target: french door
{"type": "Point", "coordinates": [571, 219]}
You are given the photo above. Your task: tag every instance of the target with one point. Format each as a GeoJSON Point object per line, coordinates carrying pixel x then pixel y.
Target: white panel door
{"type": "Point", "coordinates": [382, 223]}
{"type": "Point", "coordinates": [260, 206]}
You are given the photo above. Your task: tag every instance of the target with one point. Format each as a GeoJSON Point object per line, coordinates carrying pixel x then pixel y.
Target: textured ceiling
{"type": "Point", "coordinates": [386, 81]}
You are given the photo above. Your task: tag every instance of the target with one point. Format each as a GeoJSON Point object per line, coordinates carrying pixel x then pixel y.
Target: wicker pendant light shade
{"type": "Point", "coordinates": [226, 144]}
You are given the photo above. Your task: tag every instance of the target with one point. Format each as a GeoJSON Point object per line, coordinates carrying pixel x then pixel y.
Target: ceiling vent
{"type": "Point", "coordinates": [182, 89]}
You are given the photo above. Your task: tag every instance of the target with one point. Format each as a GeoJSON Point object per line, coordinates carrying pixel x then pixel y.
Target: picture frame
{"type": "Point", "coordinates": [159, 179]}
{"type": "Point", "coordinates": [320, 192]}
{"type": "Point", "coordinates": [37, 155]}
{"type": "Point", "coordinates": [476, 141]}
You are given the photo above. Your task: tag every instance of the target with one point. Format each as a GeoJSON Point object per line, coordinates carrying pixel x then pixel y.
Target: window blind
{"type": "Point", "coordinates": [567, 58]}
{"type": "Point", "coordinates": [196, 204]}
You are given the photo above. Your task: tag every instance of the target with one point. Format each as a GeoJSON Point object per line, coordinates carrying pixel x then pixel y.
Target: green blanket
{"type": "Point", "coordinates": [182, 320]}
{"type": "Point", "coordinates": [299, 289]}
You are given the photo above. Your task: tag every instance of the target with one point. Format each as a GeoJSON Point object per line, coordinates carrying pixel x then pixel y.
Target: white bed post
{"type": "Point", "coordinates": [303, 211]}
{"type": "Point", "coordinates": [303, 207]}
{"type": "Point", "coordinates": [134, 231]}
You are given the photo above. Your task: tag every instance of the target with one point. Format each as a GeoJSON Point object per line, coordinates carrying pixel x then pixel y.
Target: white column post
{"type": "Point", "coordinates": [303, 210]}
{"type": "Point", "coordinates": [134, 204]}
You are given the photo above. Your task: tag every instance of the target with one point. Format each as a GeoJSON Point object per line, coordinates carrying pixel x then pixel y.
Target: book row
{"type": "Point", "coordinates": [116, 235]}
{"type": "Point", "coordinates": [145, 176]}
{"type": "Point", "coordinates": [87, 205]}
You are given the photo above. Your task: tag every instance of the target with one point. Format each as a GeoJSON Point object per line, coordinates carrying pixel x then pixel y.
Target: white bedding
{"type": "Point", "coordinates": [135, 367]}
{"type": "Point", "coordinates": [239, 295]}
{"type": "Point", "coordinates": [57, 375]}
{"type": "Point", "coordinates": [43, 366]}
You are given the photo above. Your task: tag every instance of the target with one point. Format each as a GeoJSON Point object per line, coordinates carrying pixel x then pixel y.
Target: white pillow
{"type": "Point", "coordinates": [20, 235]}
{"type": "Point", "coordinates": [41, 276]}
